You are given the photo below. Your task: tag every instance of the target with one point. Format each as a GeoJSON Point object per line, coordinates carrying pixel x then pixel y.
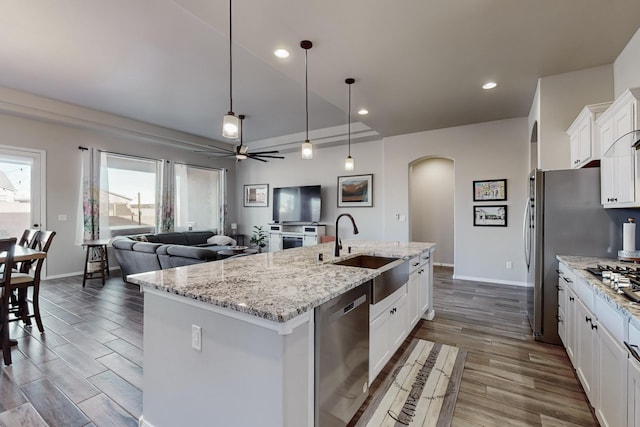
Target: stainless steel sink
{"type": "Point", "coordinates": [394, 272]}
{"type": "Point", "coordinates": [367, 261]}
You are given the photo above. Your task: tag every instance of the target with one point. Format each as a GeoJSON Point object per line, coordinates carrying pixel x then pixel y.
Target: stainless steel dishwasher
{"type": "Point", "coordinates": [341, 356]}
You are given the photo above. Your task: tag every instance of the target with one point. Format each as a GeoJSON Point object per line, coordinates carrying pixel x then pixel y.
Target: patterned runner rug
{"type": "Point", "coordinates": [421, 391]}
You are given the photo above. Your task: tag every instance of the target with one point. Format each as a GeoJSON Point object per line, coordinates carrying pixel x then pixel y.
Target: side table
{"type": "Point", "coordinates": [96, 262]}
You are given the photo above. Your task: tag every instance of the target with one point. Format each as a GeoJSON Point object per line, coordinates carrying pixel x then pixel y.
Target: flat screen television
{"type": "Point", "coordinates": [297, 204]}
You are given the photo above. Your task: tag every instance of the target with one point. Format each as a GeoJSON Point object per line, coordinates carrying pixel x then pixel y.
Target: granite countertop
{"type": "Point", "coordinates": [276, 286]}
{"type": "Point", "coordinates": [578, 264]}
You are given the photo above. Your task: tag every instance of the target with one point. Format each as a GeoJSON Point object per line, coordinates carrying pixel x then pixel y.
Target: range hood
{"type": "Point", "coordinates": [620, 147]}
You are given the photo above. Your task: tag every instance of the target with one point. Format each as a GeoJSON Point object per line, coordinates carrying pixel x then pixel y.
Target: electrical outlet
{"type": "Point", "coordinates": [509, 265]}
{"type": "Point", "coordinates": [196, 337]}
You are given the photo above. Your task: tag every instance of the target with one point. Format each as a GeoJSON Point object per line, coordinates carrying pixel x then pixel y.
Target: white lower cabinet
{"type": "Point", "coordinates": [426, 279]}
{"type": "Point", "coordinates": [413, 292]}
{"type": "Point", "coordinates": [611, 408]}
{"type": "Point", "coordinates": [388, 327]}
{"type": "Point", "coordinates": [593, 333]}
{"type": "Point", "coordinates": [586, 351]}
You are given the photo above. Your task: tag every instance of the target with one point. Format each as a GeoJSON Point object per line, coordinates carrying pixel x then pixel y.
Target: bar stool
{"type": "Point", "coordinates": [96, 262]}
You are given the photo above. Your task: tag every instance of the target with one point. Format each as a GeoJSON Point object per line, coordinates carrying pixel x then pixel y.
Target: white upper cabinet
{"type": "Point", "coordinates": [584, 139]}
{"type": "Point", "coordinates": [619, 168]}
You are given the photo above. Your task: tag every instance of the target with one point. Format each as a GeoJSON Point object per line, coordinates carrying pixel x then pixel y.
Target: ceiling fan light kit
{"type": "Point", "coordinates": [307, 147]}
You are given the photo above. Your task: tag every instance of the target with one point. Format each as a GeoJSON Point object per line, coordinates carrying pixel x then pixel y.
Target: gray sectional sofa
{"type": "Point", "coordinates": [151, 252]}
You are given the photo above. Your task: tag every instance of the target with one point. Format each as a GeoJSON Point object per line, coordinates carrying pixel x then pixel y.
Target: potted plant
{"type": "Point", "coordinates": [259, 237]}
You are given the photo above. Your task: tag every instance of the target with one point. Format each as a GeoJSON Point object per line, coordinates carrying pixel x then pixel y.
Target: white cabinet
{"type": "Point", "coordinates": [285, 236]}
{"type": "Point", "coordinates": [388, 327]}
{"type": "Point", "coordinates": [618, 168]}
{"type": "Point", "coordinates": [611, 408]}
{"type": "Point", "coordinates": [586, 351]}
{"type": "Point", "coordinates": [633, 378]}
{"type": "Point", "coordinates": [567, 302]}
{"type": "Point", "coordinates": [426, 285]}
{"type": "Point", "coordinates": [584, 139]}
{"type": "Point", "coordinates": [413, 292]}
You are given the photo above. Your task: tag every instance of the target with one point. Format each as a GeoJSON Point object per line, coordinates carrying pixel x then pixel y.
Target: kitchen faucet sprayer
{"type": "Point", "coordinates": [338, 244]}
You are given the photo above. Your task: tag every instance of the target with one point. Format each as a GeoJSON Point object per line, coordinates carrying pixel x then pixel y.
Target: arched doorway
{"type": "Point", "coordinates": [431, 206]}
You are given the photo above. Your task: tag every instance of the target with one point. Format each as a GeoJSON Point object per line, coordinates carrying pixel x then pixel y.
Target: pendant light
{"type": "Point", "coordinates": [349, 164]}
{"type": "Point", "coordinates": [230, 123]}
{"type": "Point", "coordinates": [307, 147]}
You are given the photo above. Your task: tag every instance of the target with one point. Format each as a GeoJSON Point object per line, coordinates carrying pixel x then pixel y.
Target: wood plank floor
{"type": "Point", "coordinates": [87, 368]}
{"type": "Point", "coordinates": [509, 379]}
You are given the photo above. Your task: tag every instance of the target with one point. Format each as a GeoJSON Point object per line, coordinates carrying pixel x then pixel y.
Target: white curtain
{"type": "Point", "coordinates": [89, 210]}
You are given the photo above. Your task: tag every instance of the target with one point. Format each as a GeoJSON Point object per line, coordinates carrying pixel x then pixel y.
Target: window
{"type": "Point", "coordinates": [129, 194]}
{"type": "Point", "coordinates": [199, 198]}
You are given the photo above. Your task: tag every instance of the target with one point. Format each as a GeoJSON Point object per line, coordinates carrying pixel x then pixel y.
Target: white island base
{"type": "Point", "coordinates": [245, 374]}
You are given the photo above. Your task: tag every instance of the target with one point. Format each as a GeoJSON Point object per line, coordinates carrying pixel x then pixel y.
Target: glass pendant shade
{"type": "Point", "coordinates": [349, 164]}
{"type": "Point", "coordinates": [230, 126]}
{"type": "Point", "coordinates": [307, 150]}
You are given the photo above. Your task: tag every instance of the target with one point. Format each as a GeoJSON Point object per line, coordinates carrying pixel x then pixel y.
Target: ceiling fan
{"type": "Point", "coordinates": [241, 151]}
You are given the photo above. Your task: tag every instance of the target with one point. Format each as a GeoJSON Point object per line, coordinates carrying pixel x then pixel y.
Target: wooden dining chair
{"type": "Point", "coordinates": [21, 282]}
{"type": "Point", "coordinates": [8, 247]}
{"type": "Point", "coordinates": [28, 240]}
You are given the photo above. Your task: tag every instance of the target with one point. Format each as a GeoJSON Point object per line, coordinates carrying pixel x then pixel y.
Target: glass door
{"type": "Point", "coordinates": [21, 190]}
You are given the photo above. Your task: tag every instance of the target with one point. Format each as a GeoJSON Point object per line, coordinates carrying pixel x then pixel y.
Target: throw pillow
{"type": "Point", "coordinates": [221, 240]}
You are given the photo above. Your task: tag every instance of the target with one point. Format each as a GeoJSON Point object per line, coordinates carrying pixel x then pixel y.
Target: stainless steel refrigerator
{"type": "Point", "coordinates": [564, 216]}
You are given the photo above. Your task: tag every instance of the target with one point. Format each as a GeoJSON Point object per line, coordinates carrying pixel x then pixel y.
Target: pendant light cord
{"type": "Point", "coordinates": [349, 121]}
{"type": "Point", "coordinates": [306, 91]}
{"type": "Point", "coordinates": [230, 63]}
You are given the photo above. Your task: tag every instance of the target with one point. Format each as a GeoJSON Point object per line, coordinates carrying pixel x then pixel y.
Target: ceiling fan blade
{"type": "Point", "coordinates": [267, 152]}
{"type": "Point", "coordinates": [222, 150]}
{"type": "Point", "coordinates": [269, 157]}
{"type": "Point", "coordinates": [249, 156]}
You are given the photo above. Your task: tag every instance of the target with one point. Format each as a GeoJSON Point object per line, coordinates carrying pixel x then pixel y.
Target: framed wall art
{"type": "Point", "coordinates": [490, 190]}
{"type": "Point", "coordinates": [256, 195]}
{"type": "Point", "coordinates": [355, 191]}
{"type": "Point", "coordinates": [490, 216]}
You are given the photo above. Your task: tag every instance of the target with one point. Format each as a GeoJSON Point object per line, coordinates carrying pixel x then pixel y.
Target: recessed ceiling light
{"type": "Point", "coordinates": [363, 111]}
{"type": "Point", "coordinates": [489, 85]}
{"type": "Point", "coordinates": [281, 53]}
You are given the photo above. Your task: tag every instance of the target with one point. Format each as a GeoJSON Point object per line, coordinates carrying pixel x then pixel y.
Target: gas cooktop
{"type": "Point", "coordinates": [624, 280]}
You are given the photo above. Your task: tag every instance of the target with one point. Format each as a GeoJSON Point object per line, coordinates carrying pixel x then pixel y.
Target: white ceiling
{"type": "Point", "coordinates": [418, 64]}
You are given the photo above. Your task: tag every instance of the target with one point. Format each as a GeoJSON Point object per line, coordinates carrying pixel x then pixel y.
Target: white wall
{"type": "Point", "coordinates": [59, 128]}
{"type": "Point", "coordinates": [431, 206]}
{"type": "Point", "coordinates": [324, 169]}
{"type": "Point", "coordinates": [626, 68]}
{"type": "Point", "coordinates": [491, 150]}
{"type": "Point", "coordinates": [561, 98]}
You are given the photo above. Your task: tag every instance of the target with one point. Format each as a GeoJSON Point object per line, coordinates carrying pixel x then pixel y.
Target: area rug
{"type": "Point", "coordinates": [422, 389]}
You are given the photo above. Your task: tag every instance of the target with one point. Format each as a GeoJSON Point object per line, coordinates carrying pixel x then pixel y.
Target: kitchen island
{"type": "Point", "coordinates": [232, 342]}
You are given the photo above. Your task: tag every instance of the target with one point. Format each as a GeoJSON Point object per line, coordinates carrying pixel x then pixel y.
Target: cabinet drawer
{"type": "Point", "coordinates": [414, 264]}
{"type": "Point", "coordinates": [584, 291]}
{"type": "Point", "coordinates": [567, 277]}
{"type": "Point", "coordinates": [385, 304]}
{"type": "Point", "coordinates": [611, 319]}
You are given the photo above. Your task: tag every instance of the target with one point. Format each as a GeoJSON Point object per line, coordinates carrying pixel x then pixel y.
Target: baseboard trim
{"type": "Point", "coordinates": [78, 273]}
{"type": "Point", "coordinates": [442, 264]}
{"type": "Point", "coordinates": [487, 280]}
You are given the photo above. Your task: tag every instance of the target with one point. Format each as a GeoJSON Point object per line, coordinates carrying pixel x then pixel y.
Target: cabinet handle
{"type": "Point", "coordinates": [594, 326]}
{"type": "Point", "coordinates": [587, 319]}
{"type": "Point", "coordinates": [632, 350]}
{"type": "Point", "coordinates": [416, 264]}
{"type": "Point", "coordinates": [393, 310]}
{"type": "Point", "coordinates": [559, 288]}
{"type": "Point", "coordinates": [559, 319]}
{"type": "Point", "coordinates": [571, 299]}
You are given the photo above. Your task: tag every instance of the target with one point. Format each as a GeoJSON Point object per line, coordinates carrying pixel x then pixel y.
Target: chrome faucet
{"type": "Point", "coordinates": [338, 245]}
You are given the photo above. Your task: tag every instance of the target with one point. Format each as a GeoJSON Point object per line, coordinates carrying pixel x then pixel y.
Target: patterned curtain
{"type": "Point", "coordinates": [167, 203]}
{"type": "Point", "coordinates": [89, 225]}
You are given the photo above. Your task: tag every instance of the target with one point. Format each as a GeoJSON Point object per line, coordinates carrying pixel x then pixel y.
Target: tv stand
{"type": "Point", "coordinates": [293, 234]}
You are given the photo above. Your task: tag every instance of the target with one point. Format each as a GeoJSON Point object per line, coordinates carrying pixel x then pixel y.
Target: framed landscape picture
{"type": "Point", "coordinates": [490, 190]}
{"type": "Point", "coordinates": [355, 191]}
{"type": "Point", "coordinates": [256, 195]}
{"type": "Point", "coordinates": [490, 216]}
